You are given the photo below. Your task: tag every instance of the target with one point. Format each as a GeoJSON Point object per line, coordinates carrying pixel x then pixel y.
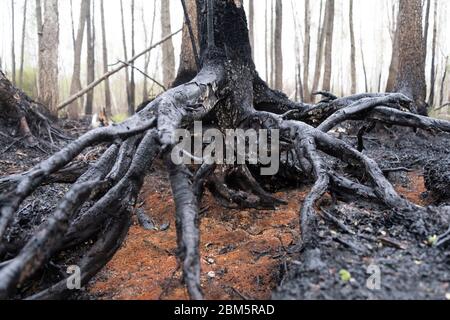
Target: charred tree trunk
{"type": "Point", "coordinates": [168, 55]}
{"type": "Point", "coordinates": [108, 102]}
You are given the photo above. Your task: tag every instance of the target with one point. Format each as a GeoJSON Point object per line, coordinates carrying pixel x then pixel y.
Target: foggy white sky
{"type": "Point", "coordinates": [371, 21]}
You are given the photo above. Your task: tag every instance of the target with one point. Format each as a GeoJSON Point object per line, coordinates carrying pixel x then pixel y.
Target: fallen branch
{"type": "Point", "coordinates": [443, 106]}
{"type": "Point", "coordinates": [144, 74]}
{"type": "Point", "coordinates": [110, 73]}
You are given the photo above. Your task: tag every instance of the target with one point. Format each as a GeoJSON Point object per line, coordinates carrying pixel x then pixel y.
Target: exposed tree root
{"type": "Point", "coordinates": [109, 241]}
{"type": "Point", "coordinates": [187, 220]}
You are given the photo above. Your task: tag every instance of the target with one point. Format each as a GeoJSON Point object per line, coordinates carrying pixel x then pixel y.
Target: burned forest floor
{"type": "Point", "coordinates": [247, 254]}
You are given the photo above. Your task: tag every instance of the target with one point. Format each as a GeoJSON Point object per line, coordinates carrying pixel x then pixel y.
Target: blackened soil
{"type": "Point", "coordinates": [247, 252]}
{"type": "Point", "coordinates": [387, 254]}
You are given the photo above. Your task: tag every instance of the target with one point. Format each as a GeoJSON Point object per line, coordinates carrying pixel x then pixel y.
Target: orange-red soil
{"type": "Point", "coordinates": [244, 249]}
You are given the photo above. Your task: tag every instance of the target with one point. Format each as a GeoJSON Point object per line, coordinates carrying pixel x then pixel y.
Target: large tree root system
{"type": "Point", "coordinates": [226, 93]}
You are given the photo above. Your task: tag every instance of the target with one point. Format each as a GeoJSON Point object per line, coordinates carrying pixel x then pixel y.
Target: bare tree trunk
{"type": "Point", "coordinates": [266, 40]}
{"type": "Point", "coordinates": [366, 80]}
{"type": "Point", "coordinates": [167, 48]}
{"type": "Point", "coordinates": [22, 46]}
{"type": "Point", "coordinates": [306, 50]}
{"type": "Point", "coordinates": [105, 61]}
{"type": "Point", "coordinates": [320, 45]}
{"type": "Point", "coordinates": [75, 86]}
{"type": "Point", "coordinates": [90, 39]}
{"type": "Point", "coordinates": [444, 78]}
{"type": "Point", "coordinates": [278, 45]}
{"type": "Point", "coordinates": [272, 44]}
{"type": "Point", "coordinates": [190, 49]}
{"type": "Point", "coordinates": [145, 93]}
{"type": "Point", "coordinates": [72, 23]}
{"type": "Point", "coordinates": [38, 9]}
{"type": "Point", "coordinates": [251, 27]}
{"type": "Point", "coordinates": [352, 50]}
{"type": "Point", "coordinates": [48, 51]}
{"type": "Point", "coordinates": [125, 54]}
{"type": "Point", "coordinates": [329, 46]}
{"type": "Point", "coordinates": [427, 4]}
{"type": "Point", "coordinates": [393, 68]}
{"type": "Point", "coordinates": [433, 57]}
{"type": "Point", "coordinates": [13, 43]}
{"type": "Point", "coordinates": [411, 73]}
{"type": "Point", "coordinates": [132, 104]}
{"type": "Point", "coordinates": [298, 70]}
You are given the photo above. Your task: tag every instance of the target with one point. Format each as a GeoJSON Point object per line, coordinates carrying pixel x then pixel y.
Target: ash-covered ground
{"type": "Point", "coordinates": [352, 240]}
{"type": "Point", "coordinates": [362, 250]}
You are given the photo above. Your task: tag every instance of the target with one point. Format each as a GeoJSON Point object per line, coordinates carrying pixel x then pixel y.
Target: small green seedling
{"type": "Point", "coordinates": [345, 275]}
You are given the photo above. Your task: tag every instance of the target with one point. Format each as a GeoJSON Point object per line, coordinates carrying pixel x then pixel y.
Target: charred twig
{"type": "Point", "coordinates": [444, 238]}
{"type": "Point", "coordinates": [336, 221]}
